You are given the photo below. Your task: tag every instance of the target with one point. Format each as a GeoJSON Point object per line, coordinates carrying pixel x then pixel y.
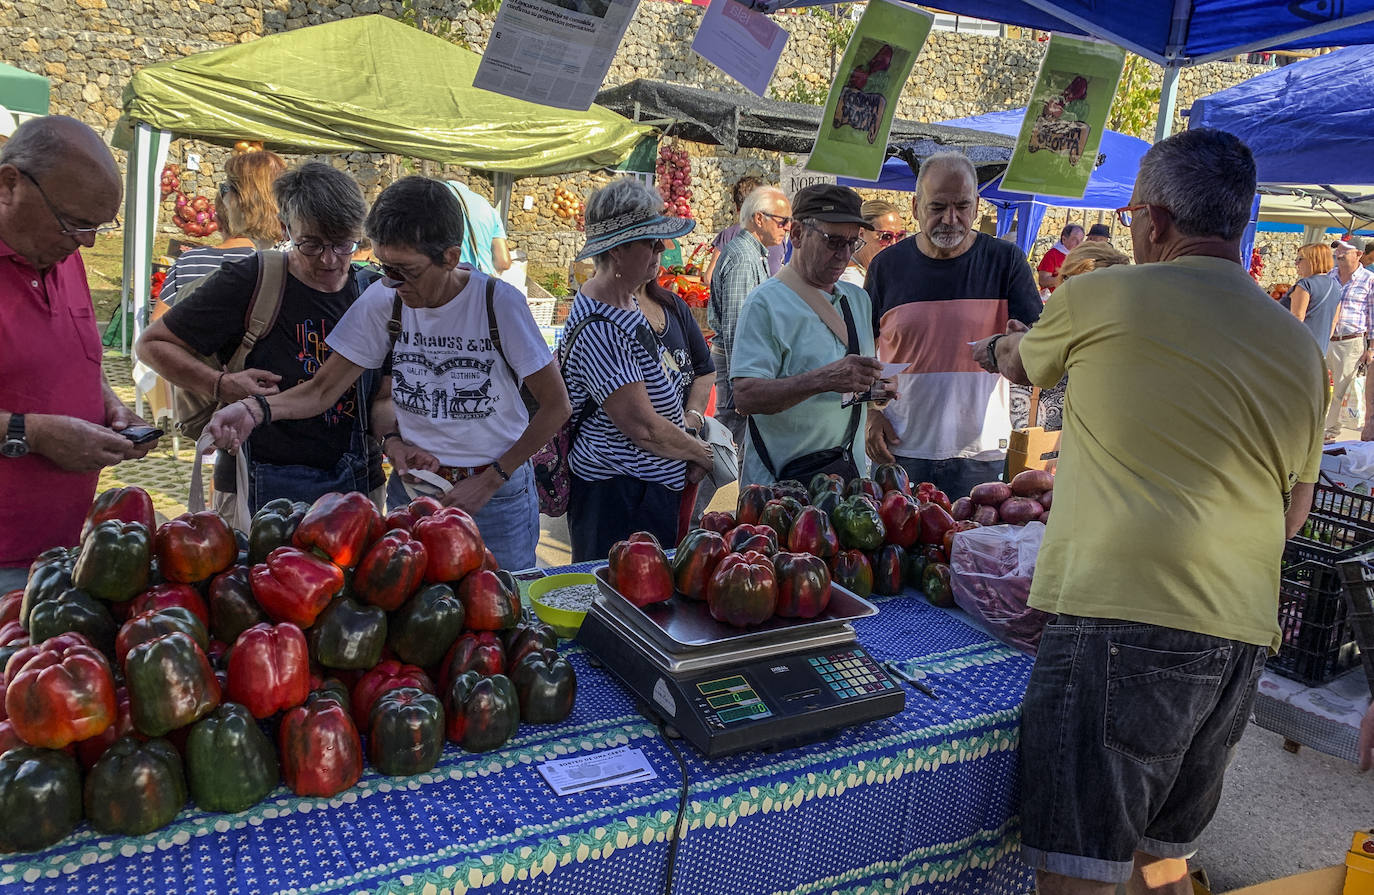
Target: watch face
{"type": "Point", "coordinates": [15, 447]}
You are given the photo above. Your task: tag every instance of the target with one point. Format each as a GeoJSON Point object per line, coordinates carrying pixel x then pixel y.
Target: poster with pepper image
{"type": "Point", "coordinates": [1056, 150]}
{"type": "Point", "coordinates": [858, 112]}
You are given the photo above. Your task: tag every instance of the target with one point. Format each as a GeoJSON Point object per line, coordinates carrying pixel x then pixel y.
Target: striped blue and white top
{"type": "Point", "coordinates": [194, 264]}
{"type": "Point", "coordinates": [606, 356]}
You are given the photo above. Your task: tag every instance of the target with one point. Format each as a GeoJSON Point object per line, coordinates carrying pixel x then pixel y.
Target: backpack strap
{"type": "Point", "coordinates": [493, 332]}
{"type": "Point", "coordinates": [263, 307]}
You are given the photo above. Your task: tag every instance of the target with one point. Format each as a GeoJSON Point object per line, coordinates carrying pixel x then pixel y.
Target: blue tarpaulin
{"type": "Point", "coordinates": [1109, 187]}
{"type": "Point", "coordinates": [1309, 122]}
{"type": "Point", "coordinates": [1182, 32]}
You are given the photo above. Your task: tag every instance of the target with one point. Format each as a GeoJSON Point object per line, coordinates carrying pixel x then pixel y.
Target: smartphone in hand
{"type": "Point", "coordinates": [141, 434]}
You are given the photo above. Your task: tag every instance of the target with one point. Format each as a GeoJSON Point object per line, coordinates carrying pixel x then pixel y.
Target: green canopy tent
{"type": "Point", "coordinates": [367, 84]}
{"type": "Point", "coordinates": [23, 94]}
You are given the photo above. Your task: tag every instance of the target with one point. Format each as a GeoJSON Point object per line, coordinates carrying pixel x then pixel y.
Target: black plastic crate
{"type": "Point", "coordinates": [1357, 574]}
{"type": "Point", "coordinates": [1317, 645]}
{"type": "Point", "coordinates": [1340, 521]}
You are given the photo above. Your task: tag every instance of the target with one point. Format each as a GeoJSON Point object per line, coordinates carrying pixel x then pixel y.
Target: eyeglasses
{"type": "Point", "coordinates": [781, 220]}
{"type": "Point", "coordinates": [835, 243]}
{"type": "Point", "coordinates": [888, 237]}
{"type": "Point", "coordinates": [63, 227]}
{"type": "Point", "coordinates": [1124, 213]}
{"type": "Point", "coordinates": [313, 248]}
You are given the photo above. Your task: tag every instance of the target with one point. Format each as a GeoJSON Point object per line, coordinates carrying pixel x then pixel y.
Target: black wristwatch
{"type": "Point", "coordinates": [14, 445]}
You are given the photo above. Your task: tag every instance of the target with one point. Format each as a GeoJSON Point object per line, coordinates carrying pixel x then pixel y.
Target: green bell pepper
{"type": "Point", "coordinates": [74, 610]}
{"type": "Point", "coordinates": [49, 575]}
{"type": "Point", "coordinates": [482, 712]}
{"type": "Point", "coordinates": [407, 732]}
{"type": "Point", "coordinates": [115, 559]}
{"type": "Point", "coordinates": [135, 787]}
{"type": "Point", "coordinates": [426, 625]}
{"type": "Point", "coordinates": [273, 526]}
{"type": "Point", "coordinates": [231, 765]}
{"type": "Point", "coordinates": [170, 683]}
{"type": "Point", "coordinates": [348, 635]}
{"type": "Point", "coordinates": [40, 798]}
{"type": "Point", "coordinates": [858, 524]}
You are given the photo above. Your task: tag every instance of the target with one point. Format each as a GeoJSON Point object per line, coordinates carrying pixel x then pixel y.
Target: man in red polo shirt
{"type": "Point", "coordinates": [59, 419]}
{"type": "Point", "coordinates": [1047, 271]}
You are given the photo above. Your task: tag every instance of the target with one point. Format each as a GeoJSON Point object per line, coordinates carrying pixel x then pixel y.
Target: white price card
{"type": "Point", "coordinates": [744, 44]}
{"type": "Point", "coordinates": [597, 769]}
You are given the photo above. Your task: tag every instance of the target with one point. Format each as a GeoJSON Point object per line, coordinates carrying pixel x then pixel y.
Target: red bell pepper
{"type": "Point", "coordinates": [743, 590]}
{"type": "Point", "coordinates": [892, 477]}
{"type": "Point", "coordinates": [489, 561]}
{"type": "Point", "coordinates": [752, 499]}
{"type": "Point", "coordinates": [851, 569]}
{"type": "Point", "coordinates": [339, 527]}
{"type": "Point", "coordinates": [194, 546]}
{"type": "Point", "coordinates": [948, 542]}
{"type": "Point", "coordinates": [813, 533]}
{"type": "Point", "coordinates": [803, 585]}
{"type": "Point", "coordinates": [759, 538]}
{"type": "Point", "coordinates": [639, 571]}
{"type": "Point", "coordinates": [269, 669]}
{"type": "Point", "coordinates": [64, 692]}
{"type": "Point", "coordinates": [452, 542]}
{"type": "Point", "coordinates": [489, 603]}
{"type": "Point", "coordinates": [901, 522]}
{"type": "Point", "coordinates": [88, 751]}
{"type": "Point", "coordinates": [406, 517]}
{"type": "Point", "coordinates": [147, 625]}
{"type": "Point", "coordinates": [9, 606]}
{"type": "Point", "coordinates": [888, 563]}
{"type": "Point", "coordinates": [122, 504]}
{"type": "Point", "coordinates": [29, 650]}
{"type": "Point", "coordinates": [481, 713]}
{"type": "Point", "coordinates": [526, 637]}
{"type": "Point", "coordinates": [391, 570]}
{"type": "Point", "coordinates": [696, 558]}
{"type": "Point", "coordinates": [295, 586]}
{"type": "Point", "coordinates": [480, 652]}
{"type": "Point", "coordinates": [718, 521]}
{"type": "Point", "coordinates": [388, 675]}
{"type": "Point", "coordinates": [321, 752]}
{"type": "Point", "coordinates": [935, 521]}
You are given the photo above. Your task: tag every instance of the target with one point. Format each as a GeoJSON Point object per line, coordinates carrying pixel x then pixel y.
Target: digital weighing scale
{"type": "Point", "coordinates": [726, 689]}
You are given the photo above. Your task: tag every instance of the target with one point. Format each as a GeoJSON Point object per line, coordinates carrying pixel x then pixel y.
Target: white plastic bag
{"type": "Point", "coordinates": [990, 573]}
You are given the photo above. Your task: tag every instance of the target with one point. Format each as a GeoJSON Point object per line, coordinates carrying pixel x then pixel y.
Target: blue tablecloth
{"type": "Point", "coordinates": [924, 801]}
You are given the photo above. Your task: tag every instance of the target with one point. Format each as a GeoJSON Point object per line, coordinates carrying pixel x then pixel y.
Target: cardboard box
{"type": "Point", "coordinates": [1032, 448]}
{"type": "Point", "coordinates": [1327, 881]}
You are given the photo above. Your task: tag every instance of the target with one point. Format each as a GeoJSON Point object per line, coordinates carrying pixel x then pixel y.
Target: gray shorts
{"type": "Point", "coordinates": [1126, 732]}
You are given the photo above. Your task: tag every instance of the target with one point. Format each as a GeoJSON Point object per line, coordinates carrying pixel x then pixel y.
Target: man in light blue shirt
{"type": "Point", "coordinates": [484, 243]}
{"type": "Point", "coordinates": [790, 367]}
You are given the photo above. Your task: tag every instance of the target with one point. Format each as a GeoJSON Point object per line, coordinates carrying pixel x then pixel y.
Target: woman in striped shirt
{"type": "Point", "coordinates": [630, 456]}
{"type": "Point", "coordinates": [248, 215]}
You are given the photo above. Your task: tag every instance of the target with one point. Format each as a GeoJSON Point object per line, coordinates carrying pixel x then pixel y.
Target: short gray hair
{"type": "Point", "coordinates": [318, 194]}
{"type": "Point", "coordinates": [621, 196]}
{"type": "Point", "coordinates": [950, 159]}
{"type": "Point", "coordinates": [1204, 177]}
{"type": "Point", "coordinates": [756, 201]}
{"type": "Point", "coordinates": [35, 147]}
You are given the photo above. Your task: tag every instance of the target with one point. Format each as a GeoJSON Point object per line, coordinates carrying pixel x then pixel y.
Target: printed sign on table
{"type": "Point", "coordinates": [1057, 148]}
{"type": "Point", "coordinates": [553, 52]}
{"type": "Point", "coordinates": [863, 100]}
{"type": "Point", "coordinates": [744, 44]}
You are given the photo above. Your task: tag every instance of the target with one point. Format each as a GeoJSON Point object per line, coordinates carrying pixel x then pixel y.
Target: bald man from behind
{"type": "Point", "coordinates": [60, 422]}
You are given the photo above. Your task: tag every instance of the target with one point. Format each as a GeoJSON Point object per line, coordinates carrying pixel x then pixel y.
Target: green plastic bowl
{"type": "Point", "coordinates": [564, 621]}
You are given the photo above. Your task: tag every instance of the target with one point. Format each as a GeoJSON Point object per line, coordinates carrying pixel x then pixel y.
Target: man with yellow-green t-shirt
{"type": "Point", "coordinates": [1192, 434]}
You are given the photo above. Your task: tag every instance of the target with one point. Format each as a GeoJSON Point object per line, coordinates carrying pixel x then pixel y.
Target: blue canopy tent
{"type": "Point", "coordinates": [1312, 121]}
{"type": "Point", "coordinates": [1178, 33]}
{"type": "Point", "coordinates": [1109, 186]}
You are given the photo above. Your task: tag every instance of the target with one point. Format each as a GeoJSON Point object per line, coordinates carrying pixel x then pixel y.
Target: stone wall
{"type": "Point", "coordinates": [90, 48]}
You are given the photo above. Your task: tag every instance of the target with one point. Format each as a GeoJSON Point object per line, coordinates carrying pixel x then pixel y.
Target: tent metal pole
{"type": "Point", "coordinates": [502, 183]}
{"type": "Point", "coordinates": [1168, 100]}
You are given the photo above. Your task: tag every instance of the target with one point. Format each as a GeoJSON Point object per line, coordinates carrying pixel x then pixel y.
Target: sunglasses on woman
{"type": "Point", "coordinates": [888, 237]}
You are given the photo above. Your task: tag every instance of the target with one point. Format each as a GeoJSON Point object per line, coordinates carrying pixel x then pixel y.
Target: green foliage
{"type": "Point", "coordinates": [798, 91]}
{"type": "Point", "coordinates": [838, 27]}
{"type": "Point", "coordinates": [555, 283]}
{"type": "Point", "coordinates": [1135, 107]}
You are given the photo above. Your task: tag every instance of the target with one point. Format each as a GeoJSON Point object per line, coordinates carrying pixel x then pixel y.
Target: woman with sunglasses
{"type": "Point", "coordinates": [632, 455]}
{"type": "Point", "coordinates": [247, 216]}
{"type": "Point", "coordinates": [888, 229]}
{"type": "Point", "coordinates": [321, 211]}
{"type": "Point", "coordinates": [457, 412]}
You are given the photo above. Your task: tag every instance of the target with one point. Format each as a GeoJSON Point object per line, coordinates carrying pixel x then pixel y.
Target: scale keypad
{"type": "Point", "coordinates": [852, 673]}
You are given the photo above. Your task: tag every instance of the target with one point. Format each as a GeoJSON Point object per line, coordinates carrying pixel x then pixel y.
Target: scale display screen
{"type": "Point", "coordinates": [733, 699]}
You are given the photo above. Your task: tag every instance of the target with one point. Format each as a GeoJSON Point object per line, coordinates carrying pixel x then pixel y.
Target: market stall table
{"type": "Point", "coordinates": [922, 801]}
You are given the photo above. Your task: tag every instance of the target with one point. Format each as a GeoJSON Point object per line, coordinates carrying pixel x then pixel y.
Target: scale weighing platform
{"type": "Point", "coordinates": [727, 689]}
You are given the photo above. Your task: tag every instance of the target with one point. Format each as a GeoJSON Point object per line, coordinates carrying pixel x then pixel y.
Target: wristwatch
{"type": "Point", "coordinates": [14, 445]}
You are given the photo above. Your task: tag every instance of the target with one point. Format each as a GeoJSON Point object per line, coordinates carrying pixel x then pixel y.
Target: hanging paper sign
{"type": "Point", "coordinates": [852, 140]}
{"type": "Point", "coordinates": [553, 52]}
{"type": "Point", "coordinates": [744, 44]}
{"type": "Point", "coordinates": [1056, 150]}
{"type": "Point", "coordinates": [794, 177]}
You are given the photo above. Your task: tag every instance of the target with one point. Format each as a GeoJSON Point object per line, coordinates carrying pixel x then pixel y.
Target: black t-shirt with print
{"type": "Point", "coordinates": [212, 321]}
{"type": "Point", "coordinates": [682, 336]}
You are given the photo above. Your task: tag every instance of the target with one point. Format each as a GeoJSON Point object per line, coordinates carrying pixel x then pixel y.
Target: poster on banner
{"type": "Point", "coordinates": [744, 44]}
{"type": "Point", "coordinates": [553, 52]}
{"type": "Point", "coordinates": [863, 100]}
{"type": "Point", "coordinates": [1056, 150]}
{"type": "Point", "coordinates": [793, 175]}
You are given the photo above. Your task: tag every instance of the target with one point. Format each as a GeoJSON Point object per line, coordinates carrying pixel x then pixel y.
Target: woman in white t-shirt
{"type": "Point", "coordinates": [455, 393]}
